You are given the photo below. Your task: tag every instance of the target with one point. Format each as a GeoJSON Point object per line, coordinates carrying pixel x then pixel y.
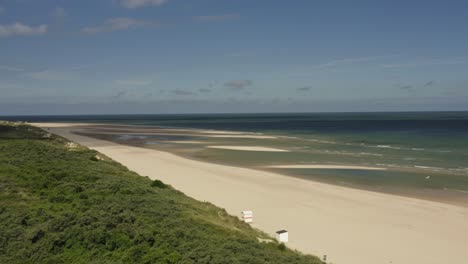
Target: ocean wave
{"type": "Point", "coordinates": [355, 154]}
{"type": "Point", "coordinates": [299, 148]}
{"type": "Point", "coordinates": [381, 146]}
{"type": "Point", "coordinates": [289, 137]}
{"type": "Point", "coordinates": [458, 170]}
{"type": "Point", "coordinates": [389, 165]}
{"type": "Point", "coordinates": [427, 167]}
{"type": "Point", "coordinates": [370, 154]}
{"type": "Point", "coordinates": [322, 141]}
{"type": "Point", "coordinates": [456, 190]}
{"type": "Point", "coordinates": [394, 147]}
{"type": "Point", "coordinates": [335, 152]}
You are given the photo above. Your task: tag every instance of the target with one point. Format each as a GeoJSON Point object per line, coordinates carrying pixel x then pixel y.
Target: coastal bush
{"type": "Point", "coordinates": [61, 206]}
{"type": "Point", "coordinates": [158, 183]}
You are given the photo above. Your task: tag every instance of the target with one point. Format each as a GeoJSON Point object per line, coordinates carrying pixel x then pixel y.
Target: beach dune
{"type": "Point", "coordinates": [349, 226]}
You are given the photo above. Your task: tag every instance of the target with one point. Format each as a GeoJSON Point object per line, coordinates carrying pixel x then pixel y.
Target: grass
{"type": "Point", "coordinates": [62, 203]}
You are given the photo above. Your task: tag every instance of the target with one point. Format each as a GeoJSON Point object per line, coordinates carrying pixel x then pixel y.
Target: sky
{"type": "Point", "coordinates": [222, 56]}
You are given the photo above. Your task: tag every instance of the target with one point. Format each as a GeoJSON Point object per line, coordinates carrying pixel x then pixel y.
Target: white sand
{"type": "Point", "coordinates": [248, 148]}
{"type": "Point", "coordinates": [350, 226]}
{"type": "Point", "coordinates": [338, 167]}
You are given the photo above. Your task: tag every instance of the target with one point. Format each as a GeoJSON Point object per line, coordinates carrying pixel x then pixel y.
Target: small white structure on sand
{"type": "Point", "coordinates": [282, 236]}
{"type": "Point", "coordinates": [247, 216]}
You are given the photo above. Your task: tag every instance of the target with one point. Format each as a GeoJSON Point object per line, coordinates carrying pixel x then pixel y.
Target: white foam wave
{"type": "Point", "coordinates": [427, 167]}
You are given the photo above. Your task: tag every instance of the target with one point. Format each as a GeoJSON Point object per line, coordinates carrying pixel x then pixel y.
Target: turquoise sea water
{"type": "Point", "coordinates": [423, 150]}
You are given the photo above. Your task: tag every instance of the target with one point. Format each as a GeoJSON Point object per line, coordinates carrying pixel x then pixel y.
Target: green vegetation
{"type": "Point", "coordinates": [63, 203]}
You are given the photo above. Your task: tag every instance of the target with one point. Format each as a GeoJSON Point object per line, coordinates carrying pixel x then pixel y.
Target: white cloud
{"type": "Point", "coordinates": [19, 29]}
{"type": "Point", "coordinates": [49, 75]}
{"type": "Point", "coordinates": [141, 3]}
{"type": "Point", "coordinates": [10, 68]}
{"type": "Point", "coordinates": [215, 18]}
{"type": "Point", "coordinates": [115, 24]}
{"type": "Point", "coordinates": [132, 82]}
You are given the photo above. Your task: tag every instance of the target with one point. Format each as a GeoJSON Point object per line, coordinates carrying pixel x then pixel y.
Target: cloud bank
{"type": "Point", "coordinates": [116, 24]}
{"type": "Point", "coordinates": [238, 84]}
{"type": "Point", "coordinates": [19, 29]}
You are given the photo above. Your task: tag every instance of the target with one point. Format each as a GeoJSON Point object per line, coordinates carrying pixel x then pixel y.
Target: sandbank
{"type": "Point", "coordinates": [249, 148]}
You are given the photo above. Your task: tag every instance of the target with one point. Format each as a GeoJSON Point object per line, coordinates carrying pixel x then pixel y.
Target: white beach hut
{"type": "Point", "coordinates": [247, 216]}
{"type": "Point", "coordinates": [282, 236]}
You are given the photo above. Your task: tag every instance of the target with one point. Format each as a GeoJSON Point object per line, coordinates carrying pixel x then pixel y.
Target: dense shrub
{"type": "Point", "coordinates": [158, 183]}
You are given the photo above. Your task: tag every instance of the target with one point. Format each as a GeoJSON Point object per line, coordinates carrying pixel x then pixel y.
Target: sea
{"type": "Point", "coordinates": [423, 153]}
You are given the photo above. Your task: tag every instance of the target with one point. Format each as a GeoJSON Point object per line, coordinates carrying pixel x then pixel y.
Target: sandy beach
{"type": "Point", "coordinates": [350, 226]}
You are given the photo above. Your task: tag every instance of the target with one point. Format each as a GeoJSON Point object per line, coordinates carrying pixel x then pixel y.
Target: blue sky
{"type": "Point", "coordinates": [192, 56]}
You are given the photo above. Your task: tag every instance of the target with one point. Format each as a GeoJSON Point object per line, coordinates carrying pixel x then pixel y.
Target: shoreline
{"type": "Point", "coordinates": [448, 196]}
{"type": "Point", "coordinates": [344, 223]}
